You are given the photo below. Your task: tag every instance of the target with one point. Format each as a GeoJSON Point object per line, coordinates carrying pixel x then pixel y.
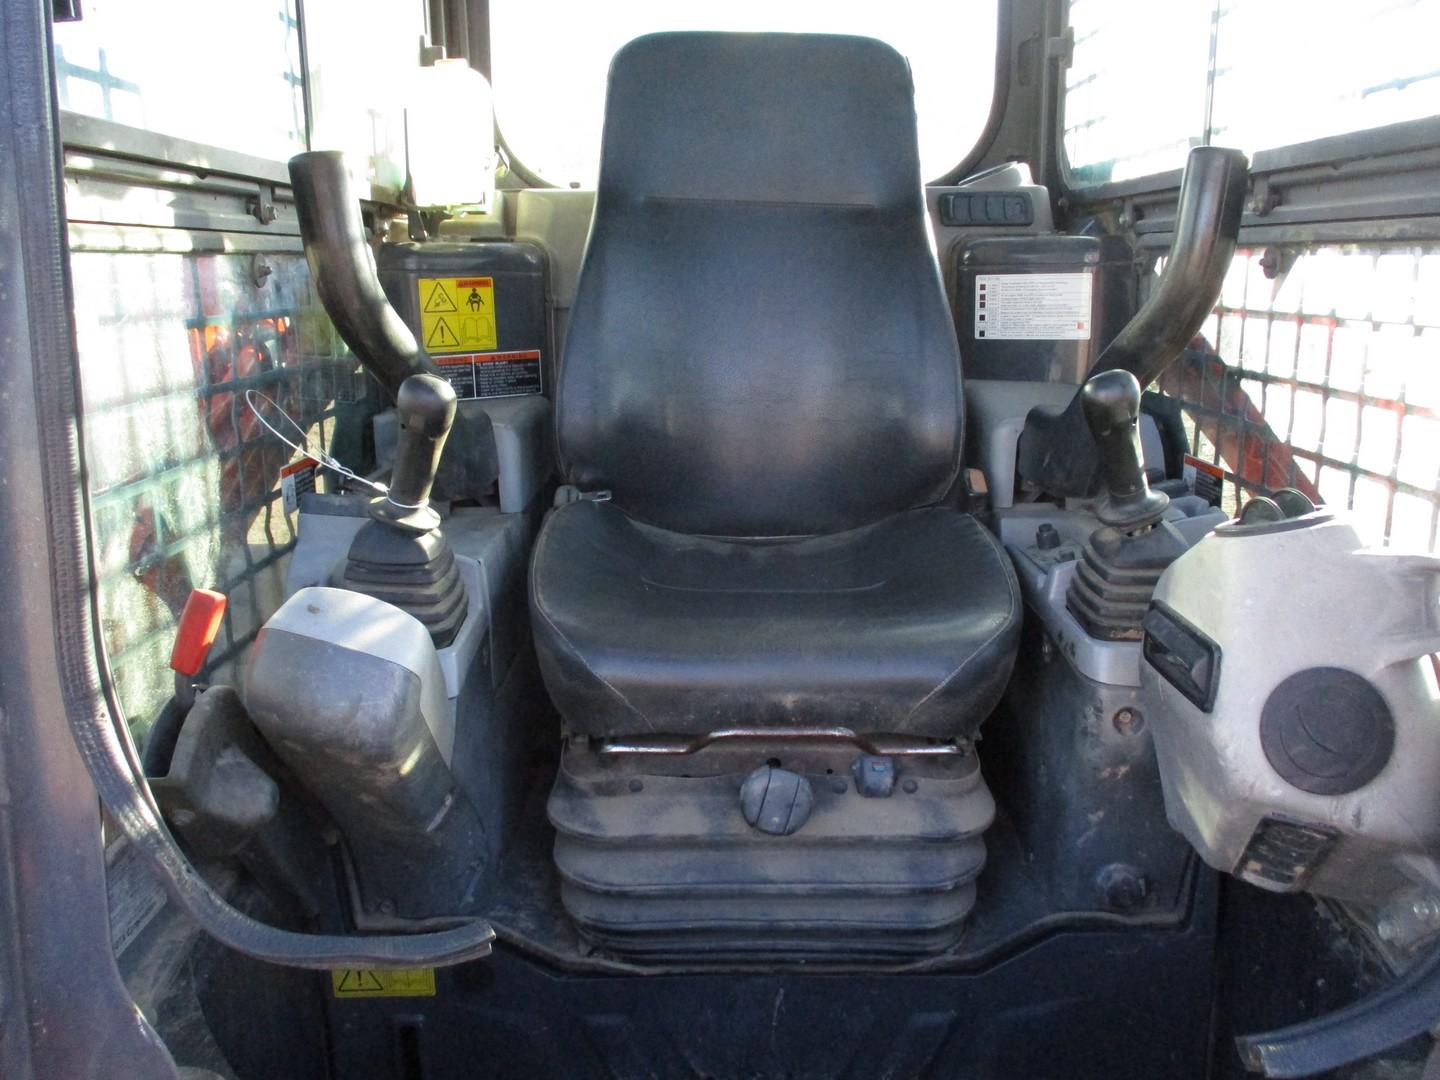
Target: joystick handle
{"type": "Point", "coordinates": [426, 408]}
{"type": "Point", "coordinates": [1111, 403]}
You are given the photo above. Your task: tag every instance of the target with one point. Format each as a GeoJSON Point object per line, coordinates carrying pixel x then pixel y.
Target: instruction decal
{"type": "Point", "coordinates": [375, 983]}
{"type": "Point", "coordinates": [457, 314]}
{"type": "Point", "coordinates": [493, 374]}
{"type": "Point", "coordinates": [1033, 307]}
{"type": "Point", "coordinates": [135, 896]}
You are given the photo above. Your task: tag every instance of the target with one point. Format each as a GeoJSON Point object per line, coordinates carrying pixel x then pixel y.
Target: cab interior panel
{"type": "Point", "coordinates": [718, 581]}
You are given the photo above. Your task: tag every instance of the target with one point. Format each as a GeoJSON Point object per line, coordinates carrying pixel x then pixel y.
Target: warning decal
{"type": "Point", "coordinates": [493, 375]}
{"type": "Point", "coordinates": [457, 314]}
{"type": "Point", "coordinates": [1203, 479]}
{"type": "Point", "coordinates": [1045, 307]}
{"type": "Point", "coordinates": [296, 479]}
{"type": "Point", "coordinates": [370, 983]}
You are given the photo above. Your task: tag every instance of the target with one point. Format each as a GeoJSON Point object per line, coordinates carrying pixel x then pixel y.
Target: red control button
{"type": "Point", "coordinates": [199, 625]}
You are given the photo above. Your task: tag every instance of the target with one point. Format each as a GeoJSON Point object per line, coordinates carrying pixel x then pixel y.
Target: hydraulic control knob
{"type": "Point", "coordinates": [1111, 401]}
{"type": "Point", "coordinates": [426, 408]}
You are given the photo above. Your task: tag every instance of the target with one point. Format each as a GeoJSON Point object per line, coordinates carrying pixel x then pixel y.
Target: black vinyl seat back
{"type": "Point", "coordinates": [760, 344]}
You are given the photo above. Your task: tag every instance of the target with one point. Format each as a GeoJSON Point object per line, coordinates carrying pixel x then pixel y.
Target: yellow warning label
{"type": "Point", "coordinates": [457, 314]}
{"type": "Point", "coordinates": [374, 983]}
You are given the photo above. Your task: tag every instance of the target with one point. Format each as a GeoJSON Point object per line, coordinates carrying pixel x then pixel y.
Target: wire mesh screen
{"type": "Point", "coordinates": [184, 481]}
{"type": "Point", "coordinates": [1367, 63]}
{"type": "Point", "coordinates": [1320, 370]}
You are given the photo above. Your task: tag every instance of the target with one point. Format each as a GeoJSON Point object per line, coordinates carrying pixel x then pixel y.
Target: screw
{"type": "Point", "coordinates": [910, 787]}
{"type": "Point", "coordinates": [637, 785]}
{"type": "Point", "coordinates": [1128, 721]}
{"type": "Point", "coordinates": [386, 907]}
{"type": "Point", "coordinates": [1427, 909]}
{"type": "Point", "coordinates": [1272, 262]}
{"type": "Point", "coordinates": [1387, 930]}
{"type": "Point", "coordinates": [1123, 887]}
{"type": "Point", "coordinates": [839, 785]}
{"type": "Point", "coordinates": [1263, 200]}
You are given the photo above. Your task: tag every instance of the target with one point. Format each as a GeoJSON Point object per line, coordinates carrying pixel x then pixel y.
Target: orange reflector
{"type": "Point", "coordinates": [199, 625]}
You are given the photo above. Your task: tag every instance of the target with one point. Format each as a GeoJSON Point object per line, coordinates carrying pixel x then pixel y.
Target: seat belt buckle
{"type": "Point", "coordinates": [977, 493]}
{"type": "Point", "coordinates": [569, 493]}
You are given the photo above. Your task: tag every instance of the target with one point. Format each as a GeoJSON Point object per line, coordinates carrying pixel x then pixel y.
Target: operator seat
{"type": "Point", "coordinates": [760, 398]}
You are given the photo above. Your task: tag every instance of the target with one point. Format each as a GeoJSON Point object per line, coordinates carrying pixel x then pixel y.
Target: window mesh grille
{"type": "Point", "coordinates": [1320, 370]}
{"type": "Point", "coordinates": [184, 481]}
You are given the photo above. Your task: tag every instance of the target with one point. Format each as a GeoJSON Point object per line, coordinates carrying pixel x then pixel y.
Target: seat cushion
{"type": "Point", "coordinates": [906, 626]}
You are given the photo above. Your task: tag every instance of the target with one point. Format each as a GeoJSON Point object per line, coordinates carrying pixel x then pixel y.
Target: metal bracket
{"type": "Point", "coordinates": [1262, 198]}
{"type": "Point", "coordinates": [262, 204]}
{"type": "Point", "coordinates": [1061, 48]}
{"type": "Point", "coordinates": [877, 745]}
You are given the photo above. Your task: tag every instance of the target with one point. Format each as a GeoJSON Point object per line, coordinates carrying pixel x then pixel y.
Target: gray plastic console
{"type": "Point", "coordinates": [348, 691]}
{"type": "Point", "coordinates": [1289, 685]}
{"type": "Point", "coordinates": [1045, 575]}
{"type": "Point", "coordinates": [480, 665]}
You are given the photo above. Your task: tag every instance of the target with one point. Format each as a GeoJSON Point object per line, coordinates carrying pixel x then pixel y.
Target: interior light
{"type": "Point", "coordinates": [450, 136]}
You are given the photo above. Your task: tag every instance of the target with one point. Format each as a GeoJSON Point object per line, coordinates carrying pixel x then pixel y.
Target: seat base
{"type": "Point", "coordinates": [657, 861]}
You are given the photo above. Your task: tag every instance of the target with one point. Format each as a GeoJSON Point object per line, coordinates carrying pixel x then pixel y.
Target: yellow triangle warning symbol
{"type": "Point", "coordinates": [439, 299]}
{"type": "Point", "coordinates": [441, 336]}
{"type": "Point", "coordinates": [359, 982]}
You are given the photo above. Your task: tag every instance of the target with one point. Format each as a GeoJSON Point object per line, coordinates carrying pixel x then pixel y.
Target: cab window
{"type": "Point", "coordinates": [550, 87]}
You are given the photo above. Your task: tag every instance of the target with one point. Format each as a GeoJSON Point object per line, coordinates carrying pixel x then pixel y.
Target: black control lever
{"type": "Point", "coordinates": [1111, 404]}
{"type": "Point", "coordinates": [343, 269]}
{"type": "Point", "coordinates": [1056, 451]}
{"type": "Point", "coordinates": [426, 408]}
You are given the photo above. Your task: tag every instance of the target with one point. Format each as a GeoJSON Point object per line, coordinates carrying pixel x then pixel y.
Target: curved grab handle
{"type": "Point", "coordinates": [1212, 198]}
{"type": "Point", "coordinates": [1057, 452]}
{"type": "Point", "coordinates": [343, 269]}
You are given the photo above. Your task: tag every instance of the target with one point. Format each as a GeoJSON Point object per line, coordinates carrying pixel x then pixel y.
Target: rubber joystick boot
{"type": "Point", "coordinates": [401, 555]}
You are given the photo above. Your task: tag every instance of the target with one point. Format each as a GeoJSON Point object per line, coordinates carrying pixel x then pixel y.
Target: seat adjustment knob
{"type": "Point", "coordinates": [776, 801]}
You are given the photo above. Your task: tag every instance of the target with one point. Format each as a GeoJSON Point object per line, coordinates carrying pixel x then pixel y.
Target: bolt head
{"type": "Point", "coordinates": [1128, 721]}
{"type": "Point", "coordinates": [1123, 887]}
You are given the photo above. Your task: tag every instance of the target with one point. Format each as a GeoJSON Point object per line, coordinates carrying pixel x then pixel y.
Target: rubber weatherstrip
{"type": "Point", "coordinates": [1395, 1014]}
{"type": "Point", "coordinates": [90, 705]}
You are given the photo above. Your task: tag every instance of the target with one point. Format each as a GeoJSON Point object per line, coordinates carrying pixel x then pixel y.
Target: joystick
{"type": "Point", "coordinates": [401, 555]}
{"type": "Point", "coordinates": [1123, 560]}
{"type": "Point", "coordinates": [1111, 402]}
{"type": "Point", "coordinates": [426, 409]}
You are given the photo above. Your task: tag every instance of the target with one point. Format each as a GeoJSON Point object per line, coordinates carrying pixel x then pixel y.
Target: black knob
{"type": "Point", "coordinates": [426, 409]}
{"type": "Point", "coordinates": [1111, 401]}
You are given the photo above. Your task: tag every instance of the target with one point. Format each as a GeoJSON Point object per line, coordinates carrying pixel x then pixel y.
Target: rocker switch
{"type": "Point", "coordinates": [874, 775]}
